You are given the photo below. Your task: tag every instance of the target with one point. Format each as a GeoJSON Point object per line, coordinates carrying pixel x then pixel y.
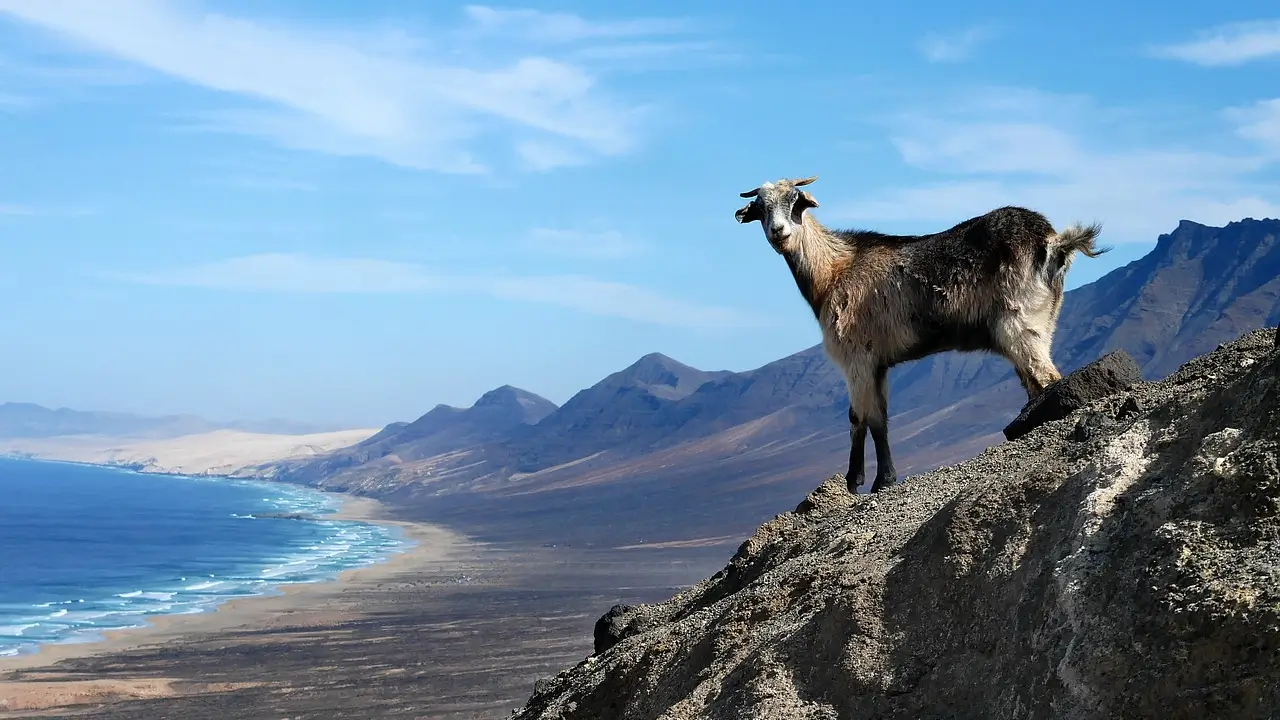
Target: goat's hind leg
{"type": "Point", "coordinates": [857, 474]}
{"type": "Point", "coordinates": [886, 474]}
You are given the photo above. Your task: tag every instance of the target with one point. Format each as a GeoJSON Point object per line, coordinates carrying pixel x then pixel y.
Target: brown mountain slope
{"type": "Point", "coordinates": [494, 416]}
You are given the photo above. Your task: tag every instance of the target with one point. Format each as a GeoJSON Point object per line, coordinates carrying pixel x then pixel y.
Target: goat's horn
{"type": "Point", "coordinates": [750, 193]}
{"type": "Point", "coordinates": [805, 181]}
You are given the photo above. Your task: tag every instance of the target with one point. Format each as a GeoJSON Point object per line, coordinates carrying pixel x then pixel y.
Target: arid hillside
{"type": "Point", "coordinates": [1121, 562]}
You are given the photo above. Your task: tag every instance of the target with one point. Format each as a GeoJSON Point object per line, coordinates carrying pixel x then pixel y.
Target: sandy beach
{"type": "Point", "coordinates": [23, 687]}
{"type": "Point", "coordinates": [451, 628]}
{"type": "Point", "coordinates": [218, 452]}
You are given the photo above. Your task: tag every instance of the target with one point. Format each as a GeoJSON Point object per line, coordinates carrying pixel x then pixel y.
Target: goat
{"type": "Point", "coordinates": [992, 283]}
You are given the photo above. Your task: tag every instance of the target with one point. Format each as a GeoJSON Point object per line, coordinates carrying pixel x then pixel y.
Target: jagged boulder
{"type": "Point", "coordinates": [1126, 565]}
{"type": "Point", "coordinates": [613, 626]}
{"type": "Point", "coordinates": [1112, 373]}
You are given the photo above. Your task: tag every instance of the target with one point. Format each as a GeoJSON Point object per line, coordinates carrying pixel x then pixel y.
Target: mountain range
{"type": "Point", "coordinates": [662, 451]}
{"type": "Point", "coordinates": [28, 420]}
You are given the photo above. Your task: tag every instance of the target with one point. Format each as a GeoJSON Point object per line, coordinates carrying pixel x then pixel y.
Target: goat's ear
{"type": "Point", "coordinates": [804, 201]}
{"type": "Point", "coordinates": [747, 213]}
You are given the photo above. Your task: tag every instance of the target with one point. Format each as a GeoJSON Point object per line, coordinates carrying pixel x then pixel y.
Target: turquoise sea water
{"type": "Point", "coordinates": [85, 549]}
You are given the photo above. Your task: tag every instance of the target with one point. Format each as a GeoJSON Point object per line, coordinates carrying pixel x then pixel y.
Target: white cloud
{"type": "Point", "coordinates": [540, 155]}
{"type": "Point", "coordinates": [30, 84]}
{"type": "Point", "coordinates": [940, 145]}
{"type": "Point", "coordinates": [1229, 44]}
{"type": "Point", "coordinates": [56, 70]}
{"type": "Point", "coordinates": [561, 28]}
{"type": "Point", "coordinates": [1044, 152]}
{"type": "Point", "coordinates": [345, 94]}
{"type": "Point", "coordinates": [627, 45]}
{"type": "Point", "coordinates": [954, 47]}
{"type": "Point", "coordinates": [605, 245]}
{"type": "Point", "coordinates": [294, 273]}
{"type": "Point", "coordinates": [1259, 122]}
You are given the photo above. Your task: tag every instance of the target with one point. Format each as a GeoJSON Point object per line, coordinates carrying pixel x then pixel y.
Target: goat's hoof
{"type": "Point", "coordinates": [854, 483]}
{"type": "Point", "coordinates": [883, 482]}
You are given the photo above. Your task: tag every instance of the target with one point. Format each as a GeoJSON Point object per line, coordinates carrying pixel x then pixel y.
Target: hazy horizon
{"type": "Point", "coordinates": [348, 215]}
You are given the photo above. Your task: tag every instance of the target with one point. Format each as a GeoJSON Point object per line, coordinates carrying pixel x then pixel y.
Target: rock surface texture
{"type": "Point", "coordinates": [1123, 561]}
{"type": "Point", "coordinates": [1104, 377]}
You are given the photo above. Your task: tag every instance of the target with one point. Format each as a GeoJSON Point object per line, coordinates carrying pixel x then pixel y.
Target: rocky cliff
{"type": "Point", "coordinates": [1121, 562]}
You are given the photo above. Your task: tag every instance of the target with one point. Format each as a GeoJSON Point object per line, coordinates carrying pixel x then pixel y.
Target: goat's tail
{"type": "Point", "coordinates": [1063, 245]}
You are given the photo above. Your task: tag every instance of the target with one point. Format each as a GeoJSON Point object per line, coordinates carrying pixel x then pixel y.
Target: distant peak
{"type": "Point", "coordinates": [658, 375]}
{"type": "Point", "coordinates": [1242, 222]}
{"type": "Point", "coordinates": [23, 405]}
{"type": "Point", "coordinates": [530, 407]}
{"type": "Point", "coordinates": [1253, 221]}
{"type": "Point", "coordinates": [657, 361]}
{"type": "Point", "coordinates": [655, 357]}
{"type": "Point", "coordinates": [504, 395]}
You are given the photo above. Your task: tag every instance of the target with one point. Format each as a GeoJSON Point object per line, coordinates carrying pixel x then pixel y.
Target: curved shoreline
{"type": "Point", "coordinates": [430, 544]}
{"type": "Point", "coordinates": [333, 507]}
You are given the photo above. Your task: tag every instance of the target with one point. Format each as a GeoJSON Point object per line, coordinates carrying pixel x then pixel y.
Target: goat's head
{"type": "Point", "coordinates": [779, 206]}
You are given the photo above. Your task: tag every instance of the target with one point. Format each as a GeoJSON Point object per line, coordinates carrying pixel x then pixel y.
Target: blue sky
{"type": "Point", "coordinates": [349, 212]}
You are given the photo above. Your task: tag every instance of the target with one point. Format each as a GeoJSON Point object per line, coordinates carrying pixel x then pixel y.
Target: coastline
{"type": "Point", "coordinates": [216, 453]}
{"type": "Point", "coordinates": [446, 629]}
{"type": "Point", "coordinates": [288, 605]}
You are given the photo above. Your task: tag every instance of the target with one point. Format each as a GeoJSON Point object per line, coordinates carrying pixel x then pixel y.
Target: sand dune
{"type": "Point", "coordinates": [221, 452]}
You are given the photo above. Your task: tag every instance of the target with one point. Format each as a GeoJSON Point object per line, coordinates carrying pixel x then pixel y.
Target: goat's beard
{"type": "Point", "coordinates": [780, 246]}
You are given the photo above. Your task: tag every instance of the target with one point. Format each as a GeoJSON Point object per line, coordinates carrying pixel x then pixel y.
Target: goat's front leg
{"type": "Point", "coordinates": [857, 474]}
{"type": "Point", "coordinates": [886, 475]}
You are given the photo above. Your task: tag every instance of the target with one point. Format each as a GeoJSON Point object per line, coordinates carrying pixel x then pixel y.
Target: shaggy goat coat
{"type": "Point", "coordinates": [991, 283]}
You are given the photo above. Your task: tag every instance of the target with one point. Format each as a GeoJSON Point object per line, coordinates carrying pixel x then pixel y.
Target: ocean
{"type": "Point", "coordinates": [85, 549]}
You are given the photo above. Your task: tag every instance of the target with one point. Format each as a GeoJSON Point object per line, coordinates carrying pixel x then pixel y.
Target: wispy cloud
{"type": "Point", "coordinates": [1229, 44]}
{"type": "Point", "coordinates": [578, 244]}
{"type": "Point", "coordinates": [633, 44]}
{"type": "Point", "coordinates": [541, 155]}
{"type": "Point", "coordinates": [956, 46]}
{"type": "Point", "coordinates": [1259, 122]}
{"type": "Point", "coordinates": [295, 273]}
{"type": "Point", "coordinates": [7, 209]}
{"type": "Point", "coordinates": [57, 70]}
{"type": "Point", "coordinates": [564, 28]}
{"type": "Point", "coordinates": [29, 84]}
{"type": "Point", "coordinates": [1041, 151]}
{"type": "Point", "coordinates": [345, 94]}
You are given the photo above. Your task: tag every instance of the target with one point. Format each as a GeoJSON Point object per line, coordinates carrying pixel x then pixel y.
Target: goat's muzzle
{"type": "Point", "coordinates": [778, 237]}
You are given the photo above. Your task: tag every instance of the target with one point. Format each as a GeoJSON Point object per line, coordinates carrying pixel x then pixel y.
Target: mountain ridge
{"type": "Point", "coordinates": [27, 420]}
{"type": "Point", "coordinates": [752, 435]}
